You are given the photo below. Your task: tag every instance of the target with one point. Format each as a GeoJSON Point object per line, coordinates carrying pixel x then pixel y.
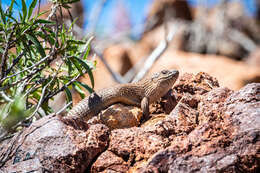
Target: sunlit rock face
{"type": "Point", "coordinates": [197, 126]}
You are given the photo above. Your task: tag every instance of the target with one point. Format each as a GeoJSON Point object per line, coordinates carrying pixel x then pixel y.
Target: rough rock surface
{"type": "Point", "coordinates": [225, 137]}
{"type": "Point", "coordinates": [209, 130]}
{"type": "Point", "coordinates": [49, 145]}
{"type": "Point", "coordinates": [120, 116]}
{"type": "Point", "coordinates": [197, 127]}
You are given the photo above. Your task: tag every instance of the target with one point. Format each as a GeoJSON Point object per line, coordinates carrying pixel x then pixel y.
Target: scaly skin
{"type": "Point", "coordinates": [140, 94]}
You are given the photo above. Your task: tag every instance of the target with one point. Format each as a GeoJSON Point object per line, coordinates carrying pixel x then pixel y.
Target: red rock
{"type": "Point", "coordinates": [110, 162]}
{"type": "Point", "coordinates": [48, 144]}
{"type": "Point", "coordinates": [254, 58]}
{"type": "Point", "coordinates": [121, 116]}
{"type": "Point", "coordinates": [229, 143]}
{"type": "Point", "coordinates": [211, 129]}
{"type": "Point", "coordinates": [171, 8]}
{"type": "Point", "coordinates": [118, 58]}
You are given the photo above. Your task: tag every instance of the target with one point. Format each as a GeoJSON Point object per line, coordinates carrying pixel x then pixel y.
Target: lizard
{"type": "Point", "coordinates": [140, 94]}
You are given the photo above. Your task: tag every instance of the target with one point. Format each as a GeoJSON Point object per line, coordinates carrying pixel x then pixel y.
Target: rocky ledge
{"type": "Point", "coordinates": [197, 127]}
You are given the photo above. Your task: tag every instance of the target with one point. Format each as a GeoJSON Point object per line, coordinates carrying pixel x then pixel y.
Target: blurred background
{"type": "Point", "coordinates": [219, 37]}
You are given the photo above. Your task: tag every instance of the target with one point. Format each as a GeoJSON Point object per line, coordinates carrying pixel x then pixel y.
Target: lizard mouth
{"type": "Point", "coordinates": [170, 77]}
{"type": "Point", "coordinates": [173, 74]}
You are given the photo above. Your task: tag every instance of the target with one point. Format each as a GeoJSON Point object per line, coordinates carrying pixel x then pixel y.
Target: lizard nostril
{"type": "Point", "coordinates": [175, 72]}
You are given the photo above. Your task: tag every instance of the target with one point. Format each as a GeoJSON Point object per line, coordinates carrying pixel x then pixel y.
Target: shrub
{"type": "Point", "coordinates": [38, 59]}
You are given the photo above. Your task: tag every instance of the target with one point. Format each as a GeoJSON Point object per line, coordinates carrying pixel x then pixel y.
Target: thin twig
{"type": "Point", "coordinates": [155, 55]}
{"type": "Point", "coordinates": [43, 90]}
{"type": "Point", "coordinates": [15, 61]}
{"type": "Point", "coordinates": [28, 68]}
{"type": "Point", "coordinates": [63, 108]}
{"type": "Point", "coordinates": [62, 88]}
{"type": "Point", "coordinates": [117, 77]}
{"type": "Point", "coordinates": [4, 55]}
{"type": "Point", "coordinates": [5, 97]}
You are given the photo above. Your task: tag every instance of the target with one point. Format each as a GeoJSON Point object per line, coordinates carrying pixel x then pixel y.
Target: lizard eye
{"type": "Point", "coordinates": [164, 72]}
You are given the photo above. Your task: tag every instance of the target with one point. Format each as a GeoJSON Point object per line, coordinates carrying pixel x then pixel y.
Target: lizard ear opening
{"type": "Point", "coordinates": [155, 76]}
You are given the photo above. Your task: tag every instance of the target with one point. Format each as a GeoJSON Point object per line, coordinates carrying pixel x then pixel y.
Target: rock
{"type": "Point", "coordinates": [209, 129]}
{"type": "Point", "coordinates": [48, 144]}
{"type": "Point", "coordinates": [110, 162]}
{"type": "Point", "coordinates": [228, 140]}
{"type": "Point", "coordinates": [118, 58]}
{"type": "Point", "coordinates": [121, 116]}
{"type": "Point", "coordinates": [254, 58]}
{"type": "Point", "coordinates": [173, 9]}
{"type": "Point", "coordinates": [132, 145]}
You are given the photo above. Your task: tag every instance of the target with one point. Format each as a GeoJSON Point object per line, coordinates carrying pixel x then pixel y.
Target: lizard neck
{"type": "Point", "coordinates": [150, 89]}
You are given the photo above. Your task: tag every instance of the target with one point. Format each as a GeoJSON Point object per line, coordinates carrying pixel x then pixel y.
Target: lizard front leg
{"type": "Point", "coordinates": [145, 107]}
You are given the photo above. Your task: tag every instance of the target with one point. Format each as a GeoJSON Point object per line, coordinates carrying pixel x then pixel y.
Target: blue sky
{"type": "Point", "coordinates": [136, 10]}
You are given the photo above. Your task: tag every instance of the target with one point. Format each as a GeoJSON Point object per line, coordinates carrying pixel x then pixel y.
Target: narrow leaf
{"type": "Point", "coordinates": [68, 94]}
{"type": "Point", "coordinates": [42, 21]}
{"type": "Point", "coordinates": [88, 47]}
{"type": "Point", "coordinates": [41, 13]}
{"type": "Point", "coordinates": [21, 17]}
{"type": "Point", "coordinates": [79, 90]}
{"type": "Point", "coordinates": [37, 44]}
{"type": "Point", "coordinates": [69, 66]}
{"type": "Point", "coordinates": [75, 42]}
{"type": "Point", "coordinates": [75, 62]}
{"type": "Point", "coordinates": [70, 2]}
{"type": "Point", "coordinates": [90, 90]}
{"type": "Point", "coordinates": [85, 65]}
{"type": "Point", "coordinates": [11, 7]}
{"type": "Point", "coordinates": [31, 7]}
{"type": "Point", "coordinates": [2, 14]}
{"type": "Point", "coordinates": [24, 9]}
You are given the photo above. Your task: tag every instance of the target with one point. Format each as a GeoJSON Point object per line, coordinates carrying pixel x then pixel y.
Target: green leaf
{"type": "Point", "coordinates": [31, 7]}
{"type": "Point", "coordinates": [4, 110]}
{"type": "Point", "coordinates": [85, 65]}
{"type": "Point", "coordinates": [11, 17]}
{"type": "Point", "coordinates": [37, 44]}
{"type": "Point", "coordinates": [21, 17]}
{"type": "Point", "coordinates": [66, 6]}
{"type": "Point", "coordinates": [3, 19]}
{"type": "Point", "coordinates": [68, 63]}
{"type": "Point", "coordinates": [88, 47]}
{"type": "Point", "coordinates": [16, 112]}
{"type": "Point", "coordinates": [79, 90]}
{"type": "Point", "coordinates": [75, 42]}
{"type": "Point", "coordinates": [11, 8]}
{"type": "Point", "coordinates": [41, 13]}
{"type": "Point", "coordinates": [29, 111]}
{"type": "Point", "coordinates": [24, 9]}
{"type": "Point", "coordinates": [36, 95]}
{"type": "Point", "coordinates": [72, 24]}
{"type": "Point", "coordinates": [68, 94]}
{"type": "Point", "coordinates": [42, 21]}
{"type": "Point", "coordinates": [75, 62]}
{"type": "Point", "coordinates": [90, 90]}
{"type": "Point", "coordinates": [70, 1]}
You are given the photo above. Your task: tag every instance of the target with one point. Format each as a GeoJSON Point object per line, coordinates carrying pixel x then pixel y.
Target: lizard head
{"type": "Point", "coordinates": [160, 83]}
{"type": "Point", "coordinates": [165, 78]}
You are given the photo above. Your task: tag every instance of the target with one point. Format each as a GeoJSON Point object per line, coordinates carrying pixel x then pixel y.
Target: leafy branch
{"type": "Point", "coordinates": [39, 58]}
